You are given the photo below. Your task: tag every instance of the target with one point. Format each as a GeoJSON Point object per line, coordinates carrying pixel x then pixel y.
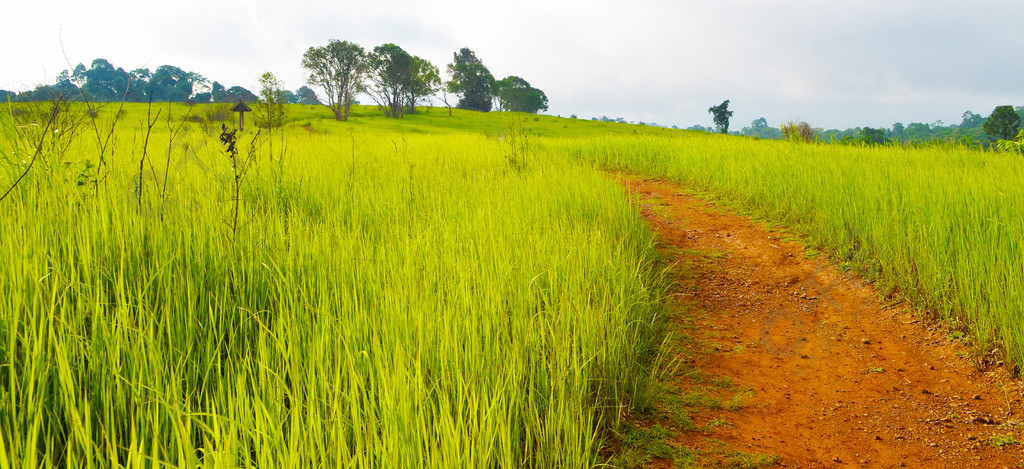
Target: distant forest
{"type": "Point", "coordinates": [393, 78]}
{"type": "Point", "coordinates": [103, 82]}
{"type": "Point", "coordinates": [968, 132]}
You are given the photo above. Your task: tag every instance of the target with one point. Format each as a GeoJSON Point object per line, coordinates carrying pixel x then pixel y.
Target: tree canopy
{"type": "Point", "coordinates": [337, 68]}
{"type": "Point", "coordinates": [872, 136]}
{"type": "Point", "coordinates": [238, 93]}
{"type": "Point", "coordinates": [721, 115]}
{"type": "Point", "coordinates": [335, 74]}
{"type": "Point", "coordinates": [1002, 124]}
{"type": "Point", "coordinates": [270, 109]}
{"type": "Point", "coordinates": [398, 80]}
{"type": "Point", "coordinates": [471, 80]}
{"type": "Point", "coordinates": [515, 94]}
{"type": "Point", "coordinates": [306, 95]}
{"type": "Point", "coordinates": [103, 82]}
{"type": "Point", "coordinates": [172, 84]}
{"type": "Point", "coordinates": [759, 128]}
{"type": "Point", "coordinates": [389, 72]}
{"type": "Point", "coordinates": [425, 81]}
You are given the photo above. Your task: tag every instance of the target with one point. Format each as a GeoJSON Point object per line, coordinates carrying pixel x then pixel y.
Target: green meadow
{"type": "Point", "coordinates": [941, 226]}
{"type": "Point", "coordinates": [441, 290]}
{"type": "Point", "coordinates": [386, 298]}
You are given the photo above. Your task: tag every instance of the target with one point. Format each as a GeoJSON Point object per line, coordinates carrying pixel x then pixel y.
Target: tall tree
{"type": "Point", "coordinates": [78, 75]}
{"type": "Point", "coordinates": [202, 97]}
{"type": "Point", "coordinates": [1002, 124]}
{"type": "Point", "coordinates": [897, 131]}
{"type": "Point", "coordinates": [237, 93]}
{"type": "Point", "coordinates": [172, 84]}
{"type": "Point", "coordinates": [66, 84]}
{"type": "Point", "coordinates": [872, 136]}
{"type": "Point", "coordinates": [471, 80]}
{"type": "Point", "coordinates": [289, 97]}
{"type": "Point", "coordinates": [515, 94]}
{"type": "Point", "coordinates": [917, 131]}
{"type": "Point", "coordinates": [721, 115]}
{"type": "Point", "coordinates": [306, 95]}
{"type": "Point", "coordinates": [139, 91]}
{"type": "Point", "coordinates": [971, 119]}
{"type": "Point", "coordinates": [425, 81]}
{"type": "Point", "coordinates": [218, 93]}
{"type": "Point", "coordinates": [389, 73]}
{"type": "Point", "coordinates": [759, 128]}
{"type": "Point", "coordinates": [105, 83]}
{"type": "Point", "coordinates": [270, 108]}
{"type": "Point", "coordinates": [337, 68]}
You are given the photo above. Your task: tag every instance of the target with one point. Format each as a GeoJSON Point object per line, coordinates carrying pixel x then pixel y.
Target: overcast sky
{"type": "Point", "coordinates": [833, 64]}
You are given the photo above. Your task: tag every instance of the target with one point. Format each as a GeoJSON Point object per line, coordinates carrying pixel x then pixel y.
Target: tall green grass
{"type": "Point", "coordinates": [944, 225]}
{"type": "Point", "coordinates": [398, 293]}
{"type": "Point", "coordinates": [388, 299]}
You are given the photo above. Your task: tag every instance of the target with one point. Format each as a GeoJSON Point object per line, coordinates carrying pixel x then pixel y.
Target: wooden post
{"type": "Point", "coordinates": [241, 108]}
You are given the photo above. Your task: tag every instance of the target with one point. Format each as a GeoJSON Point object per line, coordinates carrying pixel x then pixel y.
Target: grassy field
{"type": "Point", "coordinates": [377, 297]}
{"type": "Point", "coordinates": [470, 290]}
{"type": "Point", "coordinates": [942, 225]}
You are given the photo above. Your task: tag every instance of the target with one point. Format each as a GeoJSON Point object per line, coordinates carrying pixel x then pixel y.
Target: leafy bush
{"type": "Point", "coordinates": [798, 132]}
{"type": "Point", "coordinates": [220, 112]}
{"type": "Point", "coordinates": [1015, 145]}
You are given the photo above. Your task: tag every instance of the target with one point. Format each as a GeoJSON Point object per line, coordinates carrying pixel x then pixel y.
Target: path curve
{"type": "Point", "coordinates": [839, 380]}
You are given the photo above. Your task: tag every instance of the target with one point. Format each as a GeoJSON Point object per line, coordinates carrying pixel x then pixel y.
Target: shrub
{"type": "Point", "coordinates": [220, 112]}
{"type": "Point", "coordinates": [1016, 145]}
{"type": "Point", "coordinates": [798, 132]}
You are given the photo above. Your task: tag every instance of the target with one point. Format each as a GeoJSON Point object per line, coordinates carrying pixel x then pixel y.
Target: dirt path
{"type": "Point", "coordinates": [832, 377]}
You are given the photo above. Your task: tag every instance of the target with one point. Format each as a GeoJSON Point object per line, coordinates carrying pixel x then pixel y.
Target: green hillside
{"type": "Point", "coordinates": [448, 289]}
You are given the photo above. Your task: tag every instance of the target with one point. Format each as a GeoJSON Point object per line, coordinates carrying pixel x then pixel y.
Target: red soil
{"type": "Point", "coordinates": [839, 379]}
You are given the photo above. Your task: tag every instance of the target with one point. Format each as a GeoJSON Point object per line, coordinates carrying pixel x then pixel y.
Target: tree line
{"type": "Point", "coordinates": [974, 129]}
{"type": "Point", "coordinates": [398, 81]}
{"type": "Point", "coordinates": [1003, 123]}
{"type": "Point", "coordinates": [103, 82]}
{"type": "Point", "coordinates": [335, 74]}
